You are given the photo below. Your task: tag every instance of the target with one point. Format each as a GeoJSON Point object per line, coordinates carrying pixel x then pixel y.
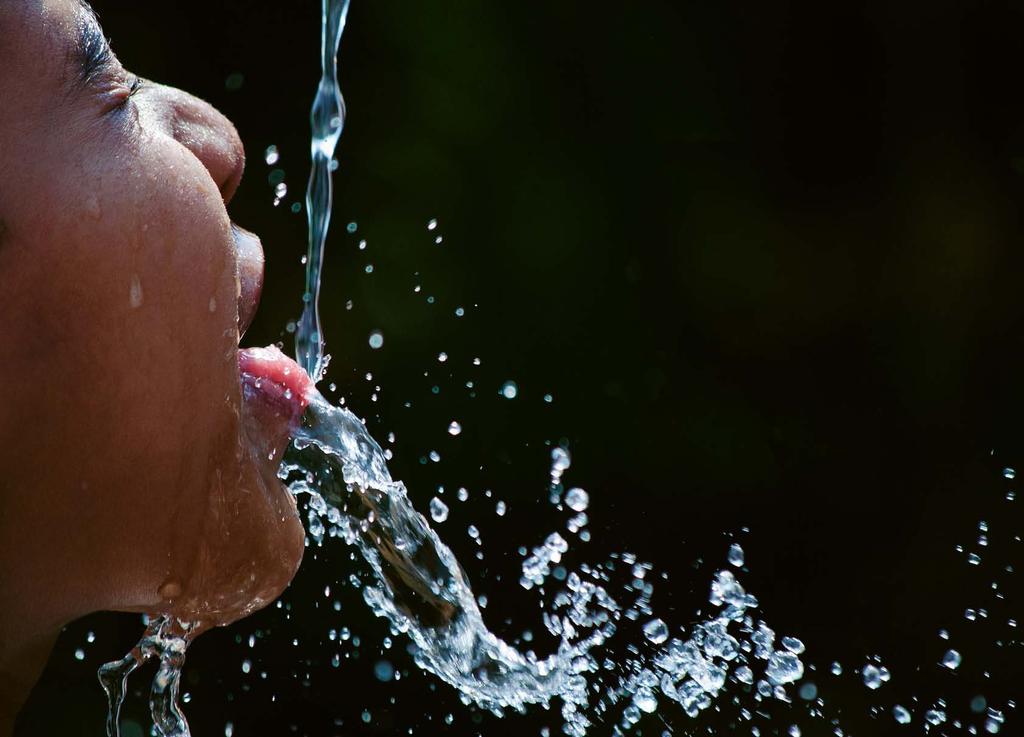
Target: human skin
{"type": "Point", "coordinates": [134, 474]}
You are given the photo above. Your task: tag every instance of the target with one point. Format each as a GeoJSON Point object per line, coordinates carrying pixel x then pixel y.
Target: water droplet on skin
{"type": "Point", "coordinates": [135, 292]}
{"type": "Point", "coordinates": [169, 589]}
{"type": "Point", "coordinates": [454, 428]}
{"type": "Point", "coordinates": [438, 510]}
{"type": "Point", "coordinates": [376, 339]}
{"type": "Point", "coordinates": [577, 499]}
{"type": "Point", "coordinates": [213, 304]}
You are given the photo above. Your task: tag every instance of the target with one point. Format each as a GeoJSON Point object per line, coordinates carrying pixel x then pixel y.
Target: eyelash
{"type": "Point", "coordinates": [136, 85]}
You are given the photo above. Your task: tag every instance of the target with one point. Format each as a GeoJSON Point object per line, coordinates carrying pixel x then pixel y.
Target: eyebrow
{"type": "Point", "coordinates": [91, 51]}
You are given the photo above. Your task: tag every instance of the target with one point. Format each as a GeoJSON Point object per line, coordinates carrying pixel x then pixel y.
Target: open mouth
{"type": "Point", "coordinates": [267, 375]}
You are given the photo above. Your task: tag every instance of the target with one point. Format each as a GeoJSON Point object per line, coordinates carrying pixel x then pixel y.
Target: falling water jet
{"type": "Point", "coordinates": [327, 118]}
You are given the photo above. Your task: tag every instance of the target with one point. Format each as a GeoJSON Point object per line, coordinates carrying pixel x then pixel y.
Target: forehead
{"type": "Point", "coordinates": [36, 38]}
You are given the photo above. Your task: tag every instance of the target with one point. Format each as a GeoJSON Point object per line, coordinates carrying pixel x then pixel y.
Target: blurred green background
{"type": "Point", "coordinates": [766, 259]}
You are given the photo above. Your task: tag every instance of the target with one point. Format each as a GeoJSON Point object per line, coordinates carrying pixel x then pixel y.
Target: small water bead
{"type": "Point", "coordinates": [462, 494]}
{"type": "Point", "coordinates": [577, 499]}
{"type": "Point", "coordinates": [874, 676]}
{"type": "Point", "coordinates": [435, 456]}
{"type": "Point", "coordinates": [438, 510]}
{"type": "Point", "coordinates": [736, 555]}
{"type": "Point", "coordinates": [509, 389]}
{"type": "Point", "coordinates": [383, 671]}
{"type": "Point", "coordinates": [473, 532]}
{"type": "Point", "coordinates": [459, 312]}
{"type": "Point", "coordinates": [808, 691]}
{"type": "Point", "coordinates": [935, 717]}
{"type": "Point", "coordinates": [229, 729]}
{"type": "Point", "coordinates": [1009, 473]}
{"type": "Point", "coordinates": [792, 644]}
{"type": "Point", "coordinates": [352, 227]}
{"type": "Point", "coordinates": [369, 269]}
{"type": "Point", "coordinates": [442, 357]}
{"type": "Point", "coordinates": [499, 509]}
{"type": "Point", "coordinates": [783, 667]}
{"type": "Point", "coordinates": [951, 659]}
{"type": "Point", "coordinates": [656, 631]}
{"type": "Point", "coordinates": [79, 654]}
{"type": "Point", "coordinates": [974, 559]}
{"type": "Point", "coordinates": [376, 339]}
{"type": "Point", "coordinates": [454, 428]}
{"type": "Point", "coordinates": [432, 224]}
{"type": "Point", "coordinates": [548, 398]}
{"type": "Point", "coordinates": [794, 731]}
{"type": "Point", "coordinates": [837, 669]}
{"type": "Point", "coordinates": [246, 666]}
{"type": "Point", "coordinates": [900, 714]}
{"type": "Point", "coordinates": [978, 704]}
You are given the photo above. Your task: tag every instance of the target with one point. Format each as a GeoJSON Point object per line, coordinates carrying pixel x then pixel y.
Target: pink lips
{"type": "Point", "coordinates": [275, 380]}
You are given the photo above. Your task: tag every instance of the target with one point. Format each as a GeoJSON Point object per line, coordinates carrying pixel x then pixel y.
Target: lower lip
{"type": "Point", "coordinates": [276, 379]}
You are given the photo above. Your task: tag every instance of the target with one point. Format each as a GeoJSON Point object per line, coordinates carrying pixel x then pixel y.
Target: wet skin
{"type": "Point", "coordinates": [133, 474]}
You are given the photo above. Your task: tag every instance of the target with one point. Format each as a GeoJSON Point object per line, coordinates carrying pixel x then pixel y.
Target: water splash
{"type": "Point", "coordinates": [421, 589]}
{"type": "Point", "coordinates": [166, 639]}
{"type": "Point", "coordinates": [327, 118]}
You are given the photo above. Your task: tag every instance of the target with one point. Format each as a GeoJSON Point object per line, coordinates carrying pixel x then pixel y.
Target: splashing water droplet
{"type": "Point", "coordinates": [376, 339]}
{"type": "Point", "coordinates": [509, 390]}
{"type": "Point", "coordinates": [951, 659]}
{"type": "Point", "coordinates": [577, 499]}
{"type": "Point", "coordinates": [656, 631]}
{"type": "Point", "coordinates": [271, 155]}
{"type": "Point", "coordinates": [900, 714]}
{"type": "Point", "coordinates": [454, 428]}
{"type": "Point", "coordinates": [438, 510]}
{"type": "Point", "coordinates": [736, 555]}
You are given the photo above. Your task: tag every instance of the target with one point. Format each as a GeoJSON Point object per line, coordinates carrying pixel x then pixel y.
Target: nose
{"type": "Point", "coordinates": [201, 128]}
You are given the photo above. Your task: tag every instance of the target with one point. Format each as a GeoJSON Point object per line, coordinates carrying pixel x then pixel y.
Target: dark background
{"type": "Point", "coordinates": [766, 257]}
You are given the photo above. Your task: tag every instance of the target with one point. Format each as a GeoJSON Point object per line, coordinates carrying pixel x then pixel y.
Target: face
{"type": "Point", "coordinates": [138, 469]}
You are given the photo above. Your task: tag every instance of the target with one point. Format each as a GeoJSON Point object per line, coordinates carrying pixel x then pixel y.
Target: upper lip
{"type": "Point", "coordinates": [250, 275]}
